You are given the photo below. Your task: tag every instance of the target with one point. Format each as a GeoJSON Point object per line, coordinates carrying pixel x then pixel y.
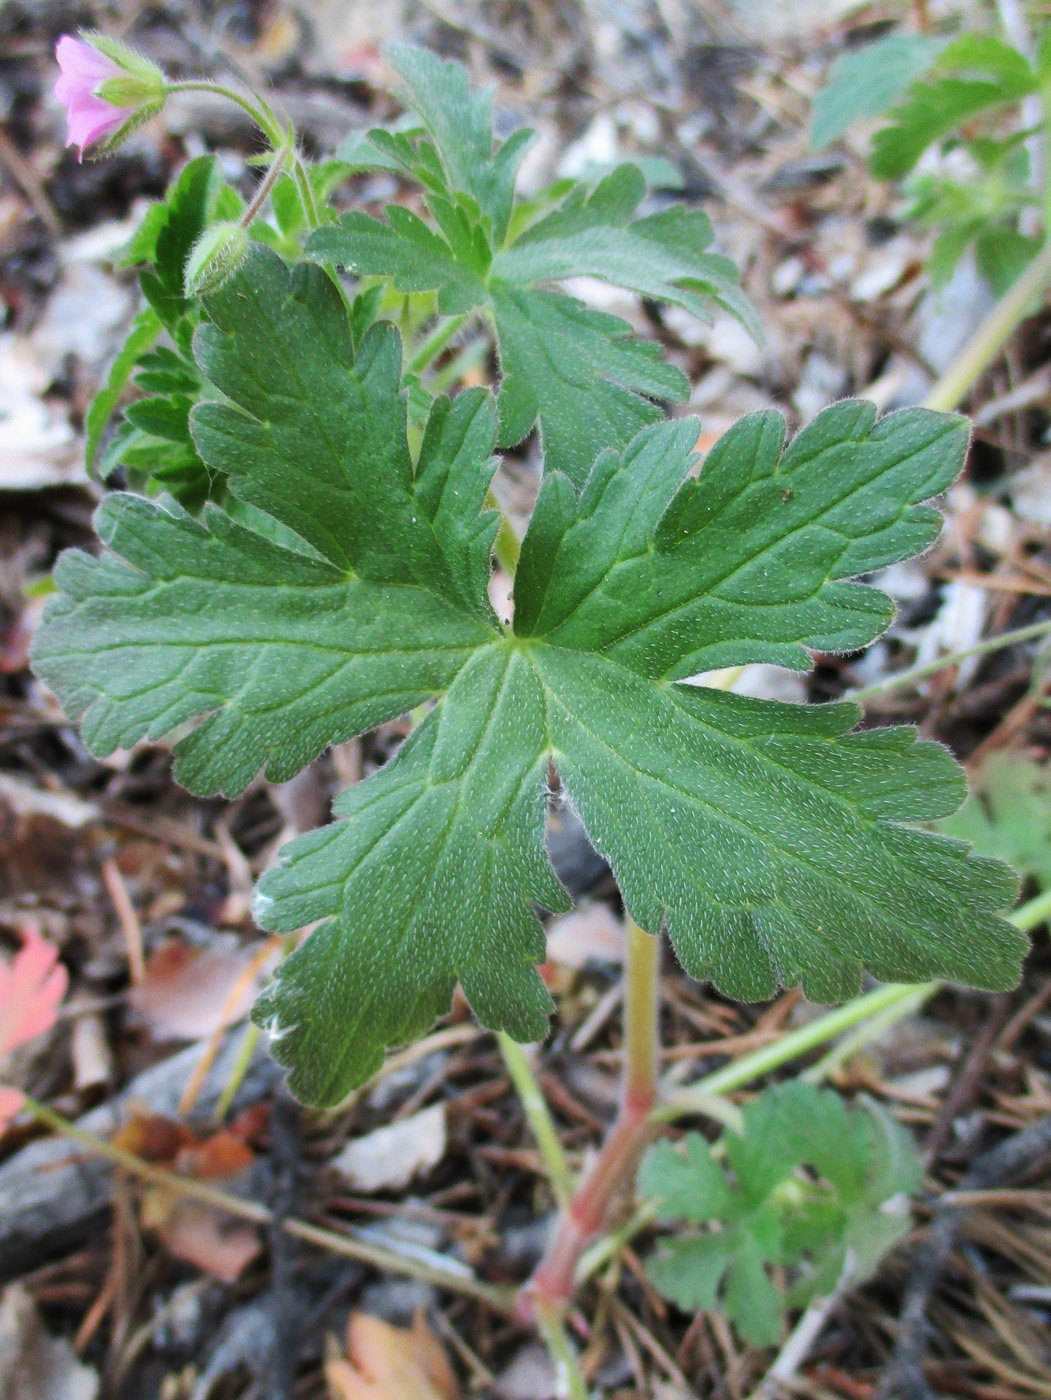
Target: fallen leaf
{"type": "Point", "coordinates": [391, 1363]}
{"type": "Point", "coordinates": [31, 987]}
{"type": "Point", "coordinates": [33, 1364]}
{"type": "Point", "coordinates": [202, 1235]}
{"type": "Point", "coordinates": [591, 933]}
{"type": "Point", "coordinates": [391, 1156]}
{"type": "Point", "coordinates": [208, 1239]}
{"type": "Point", "coordinates": [184, 992]}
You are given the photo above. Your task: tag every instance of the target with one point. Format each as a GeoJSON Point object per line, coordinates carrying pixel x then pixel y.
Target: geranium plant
{"type": "Point", "coordinates": [308, 552]}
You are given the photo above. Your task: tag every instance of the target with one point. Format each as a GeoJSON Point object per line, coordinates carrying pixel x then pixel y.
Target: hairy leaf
{"type": "Point", "coordinates": [579, 373]}
{"type": "Point", "coordinates": [346, 584]}
{"type": "Point", "coordinates": [429, 879]}
{"type": "Point", "coordinates": [281, 651]}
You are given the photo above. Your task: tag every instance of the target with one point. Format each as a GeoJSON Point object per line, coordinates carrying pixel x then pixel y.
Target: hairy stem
{"type": "Point", "coordinates": [266, 184]}
{"type": "Point", "coordinates": [256, 108]}
{"type": "Point", "coordinates": [552, 1284]}
{"type": "Point", "coordinates": [992, 335]}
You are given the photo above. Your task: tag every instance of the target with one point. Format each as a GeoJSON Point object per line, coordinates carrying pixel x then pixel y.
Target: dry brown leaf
{"type": "Point", "coordinates": [197, 1233]}
{"type": "Point", "coordinates": [185, 990]}
{"type": "Point", "coordinates": [391, 1363]}
{"type": "Point", "coordinates": [206, 1238]}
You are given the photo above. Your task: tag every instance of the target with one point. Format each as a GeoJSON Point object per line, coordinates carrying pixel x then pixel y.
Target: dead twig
{"type": "Point", "coordinates": [903, 1377]}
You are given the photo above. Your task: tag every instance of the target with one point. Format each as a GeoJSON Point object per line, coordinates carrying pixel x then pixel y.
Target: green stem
{"type": "Point", "coordinates": [993, 334]}
{"type": "Point", "coordinates": [569, 1383]}
{"type": "Point", "coordinates": [535, 1108]}
{"type": "Point", "coordinates": [919, 673]}
{"type": "Point", "coordinates": [243, 1058]}
{"type": "Point", "coordinates": [306, 195]}
{"type": "Point", "coordinates": [436, 342]}
{"type": "Point", "coordinates": [744, 1071]}
{"type": "Point", "coordinates": [641, 1012]}
{"type": "Point", "coordinates": [553, 1281]}
{"type": "Point", "coordinates": [260, 113]}
{"type": "Point", "coordinates": [694, 1097]}
{"type": "Point", "coordinates": [387, 1259]}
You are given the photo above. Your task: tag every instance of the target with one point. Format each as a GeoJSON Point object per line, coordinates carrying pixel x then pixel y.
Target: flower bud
{"type": "Point", "coordinates": [216, 255]}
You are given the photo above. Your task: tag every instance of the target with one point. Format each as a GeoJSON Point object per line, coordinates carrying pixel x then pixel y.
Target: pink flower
{"type": "Point", "coordinates": [89, 117]}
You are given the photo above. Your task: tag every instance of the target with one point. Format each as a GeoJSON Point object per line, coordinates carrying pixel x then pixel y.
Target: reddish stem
{"type": "Point", "coordinates": [552, 1284]}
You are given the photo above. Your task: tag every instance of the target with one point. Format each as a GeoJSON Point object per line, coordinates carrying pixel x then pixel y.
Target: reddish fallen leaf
{"type": "Point", "coordinates": [391, 1363]}
{"type": "Point", "coordinates": [153, 1137]}
{"type": "Point", "coordinates": [223, 1154]}
{"type": "Point", "coordinates": [216, 1243]}
{"type": "Point", "coordinates": [185, 991]}
{"type": "Point", "coordinates": [31, 987]}
{"type": "Point", "coordinates": [202, 1235]}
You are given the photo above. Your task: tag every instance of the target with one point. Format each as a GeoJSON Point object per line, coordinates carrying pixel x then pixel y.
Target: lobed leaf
{"type": "Point", "coordinates": [278, 651]}
{"type": "Point", "coordinates": [344, 584]}
{"type": "Point", "coordinates": [581, 374]}
{"type": "Point", "coordinates": [671, 576]}
{"type": "Point", "coordinates": [430, 879]}
{"type": "Point", "coordinates": [865, 82]}
{"type": "Point", "coordinates": [976, 73]}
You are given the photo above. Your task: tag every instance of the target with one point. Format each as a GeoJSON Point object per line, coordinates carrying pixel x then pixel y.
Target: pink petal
{"type": "Point", "coordinates": [82, 64]}
{"type": "Point", "coordinates": [89, 118]}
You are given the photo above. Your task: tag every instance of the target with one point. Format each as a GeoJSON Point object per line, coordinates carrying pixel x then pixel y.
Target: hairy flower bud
{"type": "Point", "coordinates": [217, 254]}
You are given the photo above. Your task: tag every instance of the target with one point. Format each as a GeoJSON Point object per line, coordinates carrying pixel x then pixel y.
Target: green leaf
{"type": "Point", "coordinates": [315, 435]}
{"type": "Point", "coordinates": [144, 331]}
{"type": "Point", "coordinates": [580, 373]}
{"type": "Point", "coordinates": [461, 124]}
{"type": "Point", "coordinates": [866, 81]}
{"type": "Point", "coordinates": [994, 75]}
{"type": "Point", "coordinates": [671, 576]}
{"type": "Point", "coordinates": [661, 256]}
{"type": "Point", "coordinates": [282, 652]}
{"type": "Point", "coordinates": [820, 1131]}
{"type": "Point", "coordinates": [764, 1153]}
{"type": "Point", "coordinates": [1009, 816]}
{"type": "Point", "coordinates": [689, 1271]}
{"type": "Point", "coordinates": [351, 587]}
{"type": "Point", "coordinates": [405, 250]}
{"type": "Point", "coordinates": [1002, 254]}
{"type": "Point", "coordinates": [751, 1300]}
{"type": "Point", "coordinates": [164, 241]}
{"type": "Point", "coordinates": [686, 1181]}
{"type": "Point", "coordinates": [764, 836]}
{"type": "Point", "coordinates": [430, 878]}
